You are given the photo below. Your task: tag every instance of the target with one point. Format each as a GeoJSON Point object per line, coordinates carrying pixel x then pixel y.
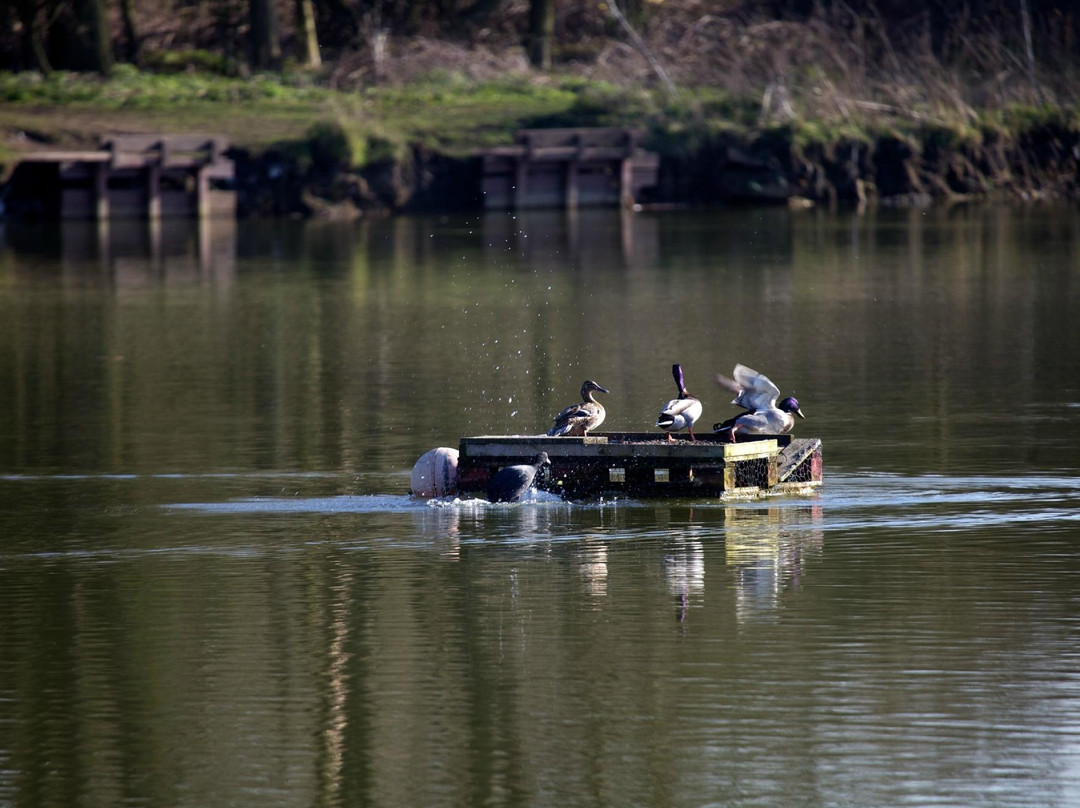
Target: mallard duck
{"type": "Point", "coordinates": [512, 483]}
{"type": "Point", "coordinates": [757, 396]}
{"type": "Point", "coordinates": [681, 412]}
{"type": "Point", "coordinates": [578, 419]}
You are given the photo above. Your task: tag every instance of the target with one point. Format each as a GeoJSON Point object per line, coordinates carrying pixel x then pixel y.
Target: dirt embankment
{"type": "Point", "coordinates": [933, 166]}
{"type": "Point", "coordinates": [767, 167]}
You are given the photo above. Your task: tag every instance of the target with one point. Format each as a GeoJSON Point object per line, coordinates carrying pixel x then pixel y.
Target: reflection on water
{"type": "Point", "coordinates": [769, 548]}
{"type": "Point", "coordinates": [214, 587]}
{"type": "Point", "coordinates": [127, 254]}
{"type": "Point", "coordinates": [285, 346]}
{"type": "Point", "coordinates": [322, 651]}
{"type": "Point", "coordinates": [593, 565]}
{"type": "Point", "coordinates": [684, 571]}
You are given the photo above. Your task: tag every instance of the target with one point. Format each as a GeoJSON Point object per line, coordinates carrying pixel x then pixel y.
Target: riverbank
{"type": "Point", "coordinates": [304, 149]}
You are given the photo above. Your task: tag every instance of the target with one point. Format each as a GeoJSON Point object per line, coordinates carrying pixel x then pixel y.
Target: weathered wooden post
{"type": "Point", "coordinates": [521, 175]}
{"type": "Point", "coordinates": [572, 191]}
{"type": "Point", "coordinates": [571, 182]}
{"type": "Point", "coordinates": [101, 190]}
{"type": "Point", "coordinates": [626, 173]}
{"type": "Point", "coordinates": [153, 188]}
{"type": "Point", "coordinates": [202, 179]}
{"type": "Point", "coordinates": [202, 192]}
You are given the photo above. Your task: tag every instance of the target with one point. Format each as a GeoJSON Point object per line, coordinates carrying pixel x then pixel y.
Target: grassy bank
{"type": "Point", "coordinates": [443, 111]}
{"type": "Point", "coordinates": [824, 144]}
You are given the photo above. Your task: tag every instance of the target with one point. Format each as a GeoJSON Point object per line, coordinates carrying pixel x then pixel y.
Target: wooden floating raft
{"type": "Point", "coordinates": [640, 465]}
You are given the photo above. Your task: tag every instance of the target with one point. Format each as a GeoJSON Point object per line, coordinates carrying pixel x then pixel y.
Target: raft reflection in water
{"type": "Point", "coordinates": [765, 549]}
{"type": "Point", "coordinates": [768, 549]}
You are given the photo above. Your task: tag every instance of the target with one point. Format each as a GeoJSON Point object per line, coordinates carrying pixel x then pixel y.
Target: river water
{"type": "Point", "coordinates": [216, 590]}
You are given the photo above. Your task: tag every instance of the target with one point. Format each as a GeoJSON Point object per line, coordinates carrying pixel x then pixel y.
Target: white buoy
{"type": "Point", "coordinates": [435, 473]}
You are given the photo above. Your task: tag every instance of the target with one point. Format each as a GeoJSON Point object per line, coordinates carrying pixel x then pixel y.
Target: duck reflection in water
{"type": "Point", "coordinates": [684, 572]}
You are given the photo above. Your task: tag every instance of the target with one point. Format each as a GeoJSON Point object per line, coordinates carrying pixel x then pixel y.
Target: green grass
{"type": "Point", "coordinates": [445, 111]}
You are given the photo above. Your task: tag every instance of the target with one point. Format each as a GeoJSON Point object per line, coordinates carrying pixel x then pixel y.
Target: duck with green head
{"type": "Point", "coordinates": [757, 395]}
{"type": "Point", "coordinates": [681, 412]}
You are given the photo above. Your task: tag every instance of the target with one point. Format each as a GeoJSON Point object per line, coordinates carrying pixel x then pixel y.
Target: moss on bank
{"type": "Point", "coordinates": [410, 146]}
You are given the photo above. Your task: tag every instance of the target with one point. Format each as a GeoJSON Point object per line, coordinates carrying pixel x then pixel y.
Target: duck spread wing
{"type": "Point", "coordinates": [753, 390]}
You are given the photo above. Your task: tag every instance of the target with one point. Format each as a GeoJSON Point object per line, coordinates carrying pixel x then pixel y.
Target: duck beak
{"type": "Point", "coordinates": [601, 389]}
{"type": "Point", "coordinates": [798, 412]}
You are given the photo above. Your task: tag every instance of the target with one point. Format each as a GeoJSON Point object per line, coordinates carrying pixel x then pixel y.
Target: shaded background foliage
{"type": "Point", "coordinates": [825, 99]}
{"type": "Point", "coordinates": [999, 48]}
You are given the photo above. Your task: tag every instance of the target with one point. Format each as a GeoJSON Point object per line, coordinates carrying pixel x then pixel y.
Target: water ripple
{"type": "Point", "coordinates": [376, 503]}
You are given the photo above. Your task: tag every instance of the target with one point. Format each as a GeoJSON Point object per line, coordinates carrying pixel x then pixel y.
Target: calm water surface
{"type": "Point", "coordinates": [215, 589]}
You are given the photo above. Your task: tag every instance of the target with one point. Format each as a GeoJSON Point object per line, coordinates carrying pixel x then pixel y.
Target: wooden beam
{"type": "Point", "coordinates": [573, 191]}
{"type": "Point", "coordinates": [626, 182]}
{"type": "Point", "coordinates": [101, 191]}
{"type": "Point", "coordinates": [153, 190]}
{"type": "Point", "coordinates": [202, 193]}
{"type": "Point", "coordinates": [521, 183]}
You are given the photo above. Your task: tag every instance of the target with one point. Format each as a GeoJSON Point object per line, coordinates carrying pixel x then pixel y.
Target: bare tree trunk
{"type": "Point", "coordinates": [639, 43]}
{"type": "Point", "coordinates": [91, 48]}
{"type": "Point", "coordinates": [132, 46]}
{"type": "Point", "coordinates": [478, 12]}
{"type": "Point", "coordinates": [265, 43]}
{"type": "Point", "coordinates": [306, 34]}
{"type": "Point", "coordinates": [33, 36]}
{"type": "Point", "coordinates": [541, 36]}
{"type": "Point", "coordinates": [343, 16]}
{"type": "Point", "coordinates": [1025, 21]}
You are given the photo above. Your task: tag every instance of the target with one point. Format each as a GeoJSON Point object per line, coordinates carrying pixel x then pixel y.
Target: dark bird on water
{"type": "Point", "coordinates": [578, 419]}
{"type": "Point", "coordinates": [681, 412]}
{"type": "Point", "coordinates": [513, 483]}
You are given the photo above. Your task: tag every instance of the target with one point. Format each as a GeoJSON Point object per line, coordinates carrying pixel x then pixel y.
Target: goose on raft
{"type": "Point", "coordinates": [681, 412]}
{"type": "Point", "coordinates": [512, 483]}
{"type": "Point", "coordinates": [757, 395]}
{"type": "Point", "coordinates": [578, 419]}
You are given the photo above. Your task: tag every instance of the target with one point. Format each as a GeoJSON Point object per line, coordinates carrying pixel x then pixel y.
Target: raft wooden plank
{"type": "Point", "coordinates": [751, 450]}
{"type": "Point", "coordinates": [83, 156]}
{"type": "Point", "coordinates": [795, 454]}
{"type": "Point", "coordinates": [644, 464]}
{"type": "Point", "coordinates": [534, 439]}
{"type": "Point", "coordinates": [647, 438]}
{"type": "Point", "coordinates": [602, 446]}
{"type": "Point", "coordinates": [528, 450]}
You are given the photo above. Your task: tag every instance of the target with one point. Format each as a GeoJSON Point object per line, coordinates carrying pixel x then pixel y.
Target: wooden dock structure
{"type": "Point", "coordinates": [568, 168]}
{"type": "Point", "coordinates": [642, 465]}
{"type": "Point", "coordinates": [138, 176]}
